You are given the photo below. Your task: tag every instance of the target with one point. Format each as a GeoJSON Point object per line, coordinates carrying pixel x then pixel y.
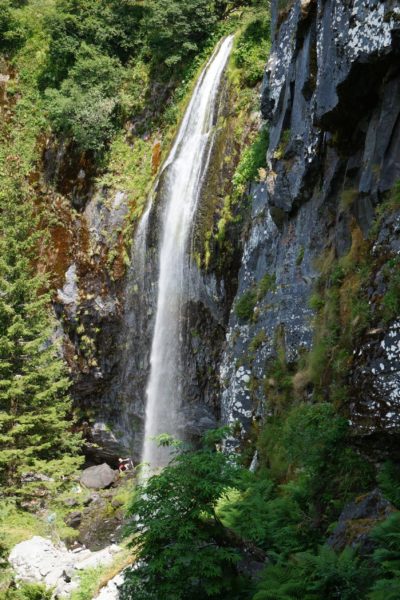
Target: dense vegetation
{"type": "Point", "coordinates": [96, 51]}
{"type": "Point", "coordinates": [194, 524]}
{"type": "Point", "coordinates": [104, 80]}
{"type": "Point", "coordinates": [109, 79]}
{"type": "Point", "coordinates": [35, 407]}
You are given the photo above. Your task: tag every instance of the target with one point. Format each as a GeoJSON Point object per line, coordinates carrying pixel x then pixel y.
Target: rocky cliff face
{"type": "Point", "coordinates": [331, 96]}
{"type": "Point", "coordinates": [108, 325]}
{"type": "Point", "coordinates": [325, 203]}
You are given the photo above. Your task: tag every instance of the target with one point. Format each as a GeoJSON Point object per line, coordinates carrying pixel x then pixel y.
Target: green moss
{"type": "Point", "coordinates": [251, 161]}
{"type": "Point", "coordinates": [257, 341]}
{"type": "Point", "coordinates": [300, 257]}
{"type": "Point", "coordinates": [347, 198]}
{"type": "Point", "coordinates": [244, 306]}
{"type": "Point", "coordinates": [266, 284]}
{"type": "Point", "coordinates": [281, 149]}
{"type": "Point", "coordinates": [391, 299]}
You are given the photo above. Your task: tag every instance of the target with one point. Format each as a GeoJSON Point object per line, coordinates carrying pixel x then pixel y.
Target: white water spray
{"type": "Point", "coordinates": [184, 172]}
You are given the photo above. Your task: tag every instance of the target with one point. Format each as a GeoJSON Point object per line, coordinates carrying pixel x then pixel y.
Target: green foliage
{"type": "Point", "coordinates": [274, 518]}
{"type": "Point", "coordinates": [278, 385]}
{"type": "Point", "coordinates": [34, 401]}
{"type": "Point", "coordinates": [248, 512]}
{"type": "Point", "coordinates": [12, 32]}
{"type": "Point", "coordinates": [387, 558]}
{"type": "Point", "coordinates": [17, 525]}
{"type": "Point", "coordinates": [265, 285]}
{"type": "Point", "coordinates": [325, 574]}
{"type": "Point", "coordinates": [251, 49]}
{"type": "Point", "coordinates": [244, 306]}
{"type": "Point", "coordinates": [29, 591]}
{"type": "Point", "coordinates": [311, 434]}
{"type": "Point", "coordinates": [391, 299]}
{"type": "Point", "coordinates": [177, 30]}
{"type": "Point", "coordinates": [88, 584]}
{"type": "Point", "coordinates": [182, 546]}
{"type": "Point", "coordinates": [90, 42]}
{"type": "Point", "coordinates": [315, 576]}
{"type": "Point", "coordinates": [389, 482]}
{"type": "Point", "coordinates": [86, 105]}
{"type": "Point", "coordinates": [311, 443]}
{"type": "Point", "coordinates": [112, 29]}
{"type": "Point", "coordinates": [252, 159]}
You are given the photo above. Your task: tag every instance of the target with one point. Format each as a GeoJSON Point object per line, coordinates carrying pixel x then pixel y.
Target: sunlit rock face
{"type": "Point", "coordinates": [331, 96]}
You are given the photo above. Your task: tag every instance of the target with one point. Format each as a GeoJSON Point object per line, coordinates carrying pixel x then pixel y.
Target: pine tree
{"type": "Point", "coordinates": [35, 426]}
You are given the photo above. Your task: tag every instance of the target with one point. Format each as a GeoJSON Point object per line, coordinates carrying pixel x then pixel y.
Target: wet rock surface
{"type": "Point", "coordinates": [113, 391]}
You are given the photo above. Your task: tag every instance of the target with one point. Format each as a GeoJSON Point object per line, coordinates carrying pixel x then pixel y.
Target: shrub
{"type": "Point", "coordinates": [12, 33]}
{"type": "Point", "coordinates": [389, 482]}
{"type": "Point", "coordinates": [177, 30]}
{"type": "Point", "coordinates": [387, 555]}
{"type": "Point", "coordinates": [182, 546]}
{"type": "Point", "coordinates": [113, 28]}
{"type": "Point", "coordinates": [311, 433]}
{"type": "Point", "coordinates": [86, 105]}
{"type": "Point", "coordinates": [315, 576]}
{"type": "Point", "coordinates": [244, 307]}
{"type": "Point", "coordinates": [252, 159]}
{"type": "Point", "coordinates": [29, 591]}
{"type": "Point", "coordinates": [251, 50]}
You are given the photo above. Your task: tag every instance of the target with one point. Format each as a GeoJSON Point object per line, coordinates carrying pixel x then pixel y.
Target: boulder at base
{"type": "Point", "coordinates": [38, 560]}
{"type": "Point", "coordinates": [98, 477]}
{"type": "Point", "coordinates": [357, 521]}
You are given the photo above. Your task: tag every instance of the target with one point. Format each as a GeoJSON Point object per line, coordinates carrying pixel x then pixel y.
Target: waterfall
{"type": "Point", "coordinates": [182, 178]}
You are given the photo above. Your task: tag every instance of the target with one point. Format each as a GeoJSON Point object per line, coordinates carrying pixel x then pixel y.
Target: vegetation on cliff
{"type": "Point", "coordinates": [111, 80]}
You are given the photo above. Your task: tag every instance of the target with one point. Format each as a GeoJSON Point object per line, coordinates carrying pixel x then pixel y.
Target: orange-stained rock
{"type": "Point", "coordinates": [156, 157]}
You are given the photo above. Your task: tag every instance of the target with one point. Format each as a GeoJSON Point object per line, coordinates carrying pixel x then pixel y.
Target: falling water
{"type": "Point", "coordinates": [183, 175]}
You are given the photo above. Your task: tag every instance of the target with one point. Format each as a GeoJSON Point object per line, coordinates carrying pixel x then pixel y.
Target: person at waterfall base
{"type": "Point", "coordinates": [125, 464]}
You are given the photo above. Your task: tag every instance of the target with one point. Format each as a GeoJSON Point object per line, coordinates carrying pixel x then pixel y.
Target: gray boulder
{"type": "Point", "coordinates": [98, 477]}
{"type": "Point", "coordinates": [357, 521]}
{"type": "Point", "coordinates": [38, 560]}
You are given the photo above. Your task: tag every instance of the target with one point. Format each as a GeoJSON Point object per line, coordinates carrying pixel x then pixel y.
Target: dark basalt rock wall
{"type": "Point", "coordinates": [331, 96]}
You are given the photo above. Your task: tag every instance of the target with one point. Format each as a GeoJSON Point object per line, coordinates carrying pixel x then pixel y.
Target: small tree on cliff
{"type": "Point", "coordinates": [35, 429]}
{"type": "Point", "coordinates": [184, 550]}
